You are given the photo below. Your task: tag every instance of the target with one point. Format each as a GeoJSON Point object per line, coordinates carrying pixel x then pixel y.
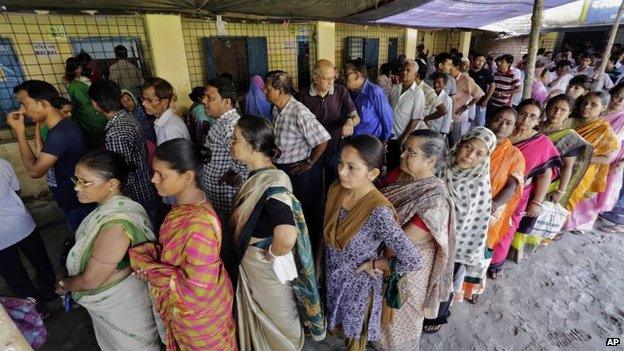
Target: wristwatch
{"type": "Point", "coordinates": [309, 161]}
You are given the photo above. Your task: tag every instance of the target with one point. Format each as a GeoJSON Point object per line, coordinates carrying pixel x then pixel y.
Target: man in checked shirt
{"type": "Point", "coordinates": [302, 139]}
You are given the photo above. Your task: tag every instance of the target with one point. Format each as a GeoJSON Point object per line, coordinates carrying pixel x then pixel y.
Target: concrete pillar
{"type": "Point", "coordinates": [326, 41]}
{"type": "Point", "coordinates": [164, 33]}
{"type": "Point", "coordinates": [411, 41]}
{"type": "Point", "coordinates": [464, 43]}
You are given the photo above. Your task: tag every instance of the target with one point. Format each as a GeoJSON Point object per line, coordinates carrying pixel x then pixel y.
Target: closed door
{"type": "Point", "coordinates": [303, 61]}
{"type": "Point", "coordinates": [230, 56]}
{"type": "Point", "coordinates": [10, 76]}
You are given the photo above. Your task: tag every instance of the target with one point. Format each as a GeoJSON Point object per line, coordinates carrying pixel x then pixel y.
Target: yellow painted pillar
{"type": "Point", "coordinates": [464, 43]}
{"type": "Point", "coordinates": [164, 33]}
{"type": "Point", "coordinates": [326, 41]}
{"type": "Point", "coordinates": [411, 41]}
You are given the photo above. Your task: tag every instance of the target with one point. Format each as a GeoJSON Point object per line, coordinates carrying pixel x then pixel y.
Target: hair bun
{"type": "Point", "coordinates": [205, 154]}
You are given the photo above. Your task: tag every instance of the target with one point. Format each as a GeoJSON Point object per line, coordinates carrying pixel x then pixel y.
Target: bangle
{"type": "Point", "coordinates": [61, 283]}
{"type": "Point", "coordinates": [270, 252]}
{"type": "Point", "coordinates": [309, 161]}
{"type": "Point", "coordinates": [562, 192]}
{"type": "Point", "coordinates": [536, 203]}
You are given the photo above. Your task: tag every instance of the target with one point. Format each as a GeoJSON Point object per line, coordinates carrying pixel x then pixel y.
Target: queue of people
{"type": "Point", "coordinates": [357, 209]}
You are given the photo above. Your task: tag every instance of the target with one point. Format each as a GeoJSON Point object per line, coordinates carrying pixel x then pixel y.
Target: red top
{"type": "Point", "coordinates": [390, 178]}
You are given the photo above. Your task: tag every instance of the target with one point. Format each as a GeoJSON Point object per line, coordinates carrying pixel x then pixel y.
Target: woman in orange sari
{"type": "Point", "coordinates": [189, 285]}
{"type": "Point", "coordinates": [506, 177]}
{"type": "Point", "coordinates": [598, 132]}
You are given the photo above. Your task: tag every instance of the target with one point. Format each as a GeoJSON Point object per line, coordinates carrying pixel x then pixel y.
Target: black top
{"type": "Point", "coordinates": [273, 213]}
{"type": "Point", "coordinates": [482, 77]}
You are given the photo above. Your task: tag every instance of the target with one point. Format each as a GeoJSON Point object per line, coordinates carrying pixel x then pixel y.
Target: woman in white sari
{"type": "Point", "coordinates": [100, 277]}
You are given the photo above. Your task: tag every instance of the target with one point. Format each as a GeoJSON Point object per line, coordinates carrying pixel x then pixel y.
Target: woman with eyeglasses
{"type": "Point", "coordinates": [100, 276]}
{"type": "Point", "coordinates": [425, 212]}
{"type": "Point", "coordinates": [542, 163]}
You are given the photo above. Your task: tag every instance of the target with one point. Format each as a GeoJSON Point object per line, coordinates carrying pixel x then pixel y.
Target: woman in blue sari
{"type": "Point", "coordinates": [256, 103]}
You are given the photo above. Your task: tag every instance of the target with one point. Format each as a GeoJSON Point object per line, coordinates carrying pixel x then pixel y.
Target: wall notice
{"type": "Point", "coordinates": [45, 49]}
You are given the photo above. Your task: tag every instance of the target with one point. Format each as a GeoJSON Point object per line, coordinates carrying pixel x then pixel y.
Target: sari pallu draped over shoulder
{"type": "Point", "coordinates": [569, 143]}
{"type": "Point", "coordinates": [471, 193]}
{"type": "Point", "coordinates": [429, 199]}
{"type": "Point", "coordinates": [506, 162]}
{"type": "Point", "coordinates": [121, 311]}
{"type": "Point", "coordinates": [248, 204]}
{"type": "Point", "coordinates": [587, 211]}
{"type": "Point", "coordinates": [189, 285]}
{"type": "Point", "coordinates": [600, 134]}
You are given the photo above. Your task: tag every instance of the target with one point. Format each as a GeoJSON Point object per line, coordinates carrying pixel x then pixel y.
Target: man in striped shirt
{"type": "Point", "coordinates": [507, 83]}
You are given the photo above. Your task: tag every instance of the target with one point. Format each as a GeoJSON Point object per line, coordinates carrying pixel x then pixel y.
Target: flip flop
{"type": "Point", "coordinates": [432, 329]}
{"type": "Point", "coordinates": [612, 229]}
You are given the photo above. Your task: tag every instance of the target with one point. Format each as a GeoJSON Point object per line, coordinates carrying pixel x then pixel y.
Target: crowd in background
{"type": "Point", "coordinates": [365, 206]}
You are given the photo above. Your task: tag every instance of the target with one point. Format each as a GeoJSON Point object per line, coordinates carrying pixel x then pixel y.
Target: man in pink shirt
{"type": "Point", "coordinates": [468, 94]}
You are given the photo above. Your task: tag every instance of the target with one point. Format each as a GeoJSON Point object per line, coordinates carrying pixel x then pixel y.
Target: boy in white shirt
{"type": "Point", "coordinates": [441, 125]}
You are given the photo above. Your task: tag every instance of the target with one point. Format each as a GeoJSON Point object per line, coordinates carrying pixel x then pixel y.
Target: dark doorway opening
{"type": "Point", "coordinates": [303, 61]}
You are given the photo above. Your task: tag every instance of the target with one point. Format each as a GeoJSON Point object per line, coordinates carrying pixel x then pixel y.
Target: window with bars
{"type": "Point", "coordinates": [37, 46]}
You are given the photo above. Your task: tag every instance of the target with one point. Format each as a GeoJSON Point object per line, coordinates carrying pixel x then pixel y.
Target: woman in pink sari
{"type": "Point", "coordinates": [539, 91]}
{"type": "Point", "coordinates": [587, 211]}
{"type": "Point", "coordinates": [542, 159]}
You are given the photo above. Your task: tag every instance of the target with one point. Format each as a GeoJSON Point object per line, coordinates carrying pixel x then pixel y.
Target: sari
{"type": "Point", "coordinates": [146, 125]}
{"type": "Point", "coordinates": [92, 122]}
{"type": "Point", "coordinates": [471, 193]}
{"type": "Point", "coordinates": [587, 211]}
{"type": "Point", "coordinates": [569, 144]}
{"type": "Point", "coordinates": [121, 311]}
{"type": "Point", "coordinates": [188, 283]}
{"type": "Point", "coordinates": [540, 155]}
{"type": "Point", "coordinates": [423, 290]}
{"type": "Point", "coordinates": [256, 103]}
{"type": "Point", "coordinates": [599, 133]}
{"type": "Point", "coordinates": [270, 314]}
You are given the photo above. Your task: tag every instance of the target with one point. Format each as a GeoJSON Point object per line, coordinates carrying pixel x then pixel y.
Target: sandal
{"type": "Point", "coordinates": [474, 299]}
{"type": "Point", "coordinates": [612, 229]}
{"type": "Point", "coordinates": [495, 275]}
{"type": "Point", "coordinates": [558, 237]}
{"type": "Point", "coordinates": [432, 329]}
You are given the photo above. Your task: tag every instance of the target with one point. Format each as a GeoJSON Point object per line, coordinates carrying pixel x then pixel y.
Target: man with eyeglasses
{"type": "Point", "coordinates": [157, 97]}
{"type": "Point", "coordinates": [65, 145]}
{"type": "Point", "coordinates": [370, 102]}
{"type": "Point", "coordinates": [333, 107]}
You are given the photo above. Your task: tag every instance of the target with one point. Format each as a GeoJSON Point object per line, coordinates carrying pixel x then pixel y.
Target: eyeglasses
{"type": "Point", "coordinates": [81, 183]}
{"type": "Point", "coordinates": [151, 101]}
{"type": "Point", "coordinates": [410, 152]}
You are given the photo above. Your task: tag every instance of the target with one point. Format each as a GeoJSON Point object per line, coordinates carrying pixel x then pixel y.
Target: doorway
{"type": "Point", "coordinates": [303, 61]}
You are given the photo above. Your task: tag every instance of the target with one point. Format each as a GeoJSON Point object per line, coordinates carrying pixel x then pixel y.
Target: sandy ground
{"type": "Point", "coordinates": [567, 296]}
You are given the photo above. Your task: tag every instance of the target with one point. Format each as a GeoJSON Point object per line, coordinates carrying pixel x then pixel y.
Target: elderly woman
{"type": "Point", "coordinates": [270, 229]}
{"type": "Point", "coordinates": [506, 178]}
{"type": "Point", "coordinates": [542, 162]}
{"type": "Point", "coordinates": [467, 176]}
{"type": "Point", "coordinates": [132, 106]}
{"type": "Point", "coordinates": [189, 285]}
{"type": "Point", "coordinates": [100, 277]}
{"type": "Point", "coordinates": [599, 188]}
{"type": "Point", "coordinates": [425, 212]}
{"type": "Point", "coordinates": [358, 220]}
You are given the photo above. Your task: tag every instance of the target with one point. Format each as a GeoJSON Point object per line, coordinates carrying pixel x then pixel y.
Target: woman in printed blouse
{"type": "Point", "coordinates": [359, 221]}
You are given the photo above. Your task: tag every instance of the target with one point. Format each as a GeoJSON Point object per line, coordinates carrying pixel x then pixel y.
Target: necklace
{"type": "Point", "coordinates": [201, 201]}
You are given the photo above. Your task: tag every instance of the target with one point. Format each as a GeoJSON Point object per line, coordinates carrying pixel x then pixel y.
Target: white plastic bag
{"type": "Point", "coordinates": [285, 267]}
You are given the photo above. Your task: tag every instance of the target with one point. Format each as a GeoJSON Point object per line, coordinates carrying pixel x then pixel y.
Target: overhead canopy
{"type": "Point", "coordinates": [410, 13]}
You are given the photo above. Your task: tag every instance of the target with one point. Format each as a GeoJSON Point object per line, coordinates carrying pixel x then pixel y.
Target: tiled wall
{"type": "Point", "coordinates": [281, 43]}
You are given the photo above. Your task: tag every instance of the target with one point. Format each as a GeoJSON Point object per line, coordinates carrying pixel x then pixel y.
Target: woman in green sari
{"type": "Point", "coordinates": [84, 113]}
{"type": "Point", "coordinates": [100, 277]}
{"type": "Point", "coordinates": [277, 293]}
{"type": "Point", "coordinates": [574, 150]}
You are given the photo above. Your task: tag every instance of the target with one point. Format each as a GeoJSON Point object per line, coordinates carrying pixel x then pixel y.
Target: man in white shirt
{"type": "Point", "coordinates": [584, 66]}
{"type": "Point", "coordinates": [561, 77]}
{"type": "Point", "coordinates": [157, 97]}
{"type": "Point", "coordinates": [18, 233]}
{"type": "Point", "coordinates": [408, 104]}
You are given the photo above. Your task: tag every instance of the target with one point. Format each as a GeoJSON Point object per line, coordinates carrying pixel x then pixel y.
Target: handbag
{"type": "Point", "coordinates": [550, 220]}
{"type": "Point", "coordinates": [393, 294]}
{"type": "Point", "coordinates": [28, 320]}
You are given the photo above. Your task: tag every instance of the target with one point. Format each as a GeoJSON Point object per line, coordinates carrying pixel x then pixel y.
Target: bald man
{"type": "Point", "coordinates": [333, 107]}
